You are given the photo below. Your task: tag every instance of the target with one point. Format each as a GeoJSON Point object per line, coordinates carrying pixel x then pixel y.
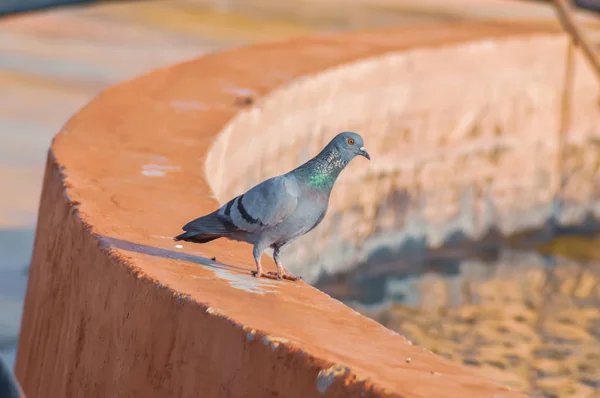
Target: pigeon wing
{"type": "Point", "coordinates": [263, 206]}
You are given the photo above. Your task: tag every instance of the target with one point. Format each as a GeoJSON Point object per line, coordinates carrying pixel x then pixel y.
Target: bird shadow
{"type": "Point", "coordinates": [167, 253]}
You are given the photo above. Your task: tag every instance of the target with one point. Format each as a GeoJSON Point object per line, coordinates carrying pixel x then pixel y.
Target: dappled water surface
{"type": "Point", "coordinates": [528, 319]}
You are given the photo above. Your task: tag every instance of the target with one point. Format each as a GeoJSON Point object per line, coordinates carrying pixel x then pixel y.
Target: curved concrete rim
{"type": "Point", "coordinates": [122, 177]}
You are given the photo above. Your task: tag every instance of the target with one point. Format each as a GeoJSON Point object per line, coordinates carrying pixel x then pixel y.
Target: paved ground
{"type": "Point", "coordinates": [53, 62]}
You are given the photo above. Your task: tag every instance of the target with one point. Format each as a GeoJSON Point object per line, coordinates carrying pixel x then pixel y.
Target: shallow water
{"type": "Point", "coordinates": [529, 319]}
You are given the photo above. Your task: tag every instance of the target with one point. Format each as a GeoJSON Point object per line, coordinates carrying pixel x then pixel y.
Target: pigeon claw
{"type": "Point", "coordinates": [257, 274]}
{"type": "Point", "coordinates": [275, 275]}
{"type": "Point", "coordinates": [288, 276]}
{"type": "Point", "coordinates": [269, 275]}
{"type": "Point", "coordinates": [291, 277]}
{"type": "Point", "coordinates": [282, 275]}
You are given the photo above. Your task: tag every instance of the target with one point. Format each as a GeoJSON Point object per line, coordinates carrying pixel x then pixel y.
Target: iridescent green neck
{"type": "Point", "coordinates": [321, 180]}
{"type": "Point", "coordinates": [322, 171]}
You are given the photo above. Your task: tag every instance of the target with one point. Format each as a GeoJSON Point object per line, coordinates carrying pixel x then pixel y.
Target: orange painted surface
{"type": "Point", "coordinates": [114, 309]}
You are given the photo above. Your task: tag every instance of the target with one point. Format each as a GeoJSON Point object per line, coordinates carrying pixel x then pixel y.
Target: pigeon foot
{"type": "Point", "coordinates": [268, 275]}
{"type": "Point", "coordinates": [291, 277]}
{"type": "Point", "coordinates": [275, 275]}
{"type": "Point", "coordinates": [288, 276]}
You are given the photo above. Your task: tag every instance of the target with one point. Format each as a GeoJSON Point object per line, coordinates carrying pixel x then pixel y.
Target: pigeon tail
{"type": "Point", "coordinates": [206, 228]}
{"type": "Point", "coordinates": [195, 237]}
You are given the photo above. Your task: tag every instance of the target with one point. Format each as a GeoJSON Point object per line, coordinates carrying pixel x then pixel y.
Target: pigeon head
{"type": "Point", "coordinates": [322, 170]}
{"type": "Point", "coordinates": [349, 145]}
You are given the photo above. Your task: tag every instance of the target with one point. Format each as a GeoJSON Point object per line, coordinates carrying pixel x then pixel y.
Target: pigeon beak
{"type": "Point", "coordinates": [363, 152]}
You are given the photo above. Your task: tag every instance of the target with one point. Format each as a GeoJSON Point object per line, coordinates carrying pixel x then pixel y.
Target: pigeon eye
{"type": "Point", "coordinates": [350, 141]}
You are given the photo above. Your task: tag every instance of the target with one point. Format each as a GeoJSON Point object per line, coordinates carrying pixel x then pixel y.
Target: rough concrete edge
{"type": "Point", "coordinates": [330, 375]}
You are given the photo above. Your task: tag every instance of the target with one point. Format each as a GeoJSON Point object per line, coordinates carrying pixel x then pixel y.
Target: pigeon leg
{"type": "Point", "coordinates": [257, 255]}
{"type": "Point", "coordinates": [259, 271]}
{"type": "Point", "coordinates": [282, 272]}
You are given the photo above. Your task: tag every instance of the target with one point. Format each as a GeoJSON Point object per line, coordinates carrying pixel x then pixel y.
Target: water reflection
{"type": "Point", "coordinates": [527, 318]}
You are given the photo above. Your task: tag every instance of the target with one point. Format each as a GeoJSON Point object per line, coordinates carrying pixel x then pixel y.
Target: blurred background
{"type": "Point", "coordinates": [529, 317]}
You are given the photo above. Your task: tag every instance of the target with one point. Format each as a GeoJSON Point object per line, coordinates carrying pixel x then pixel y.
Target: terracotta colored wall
{"type": "Point", "coordinates": [114, 309]}
{"type": "Point", "coordinates": [465, 138]}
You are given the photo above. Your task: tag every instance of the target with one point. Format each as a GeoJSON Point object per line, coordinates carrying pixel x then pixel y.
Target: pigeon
{"type": "Point", "coordinates": [281, 209]}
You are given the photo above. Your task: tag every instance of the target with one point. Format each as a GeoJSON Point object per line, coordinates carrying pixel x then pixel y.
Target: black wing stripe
{"type": "Point", "coordinates": [229, 226]}
{"type": "Point", "coordinates": [249, 219]}
{"type": "Point", "coordinates": [228, 207]}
